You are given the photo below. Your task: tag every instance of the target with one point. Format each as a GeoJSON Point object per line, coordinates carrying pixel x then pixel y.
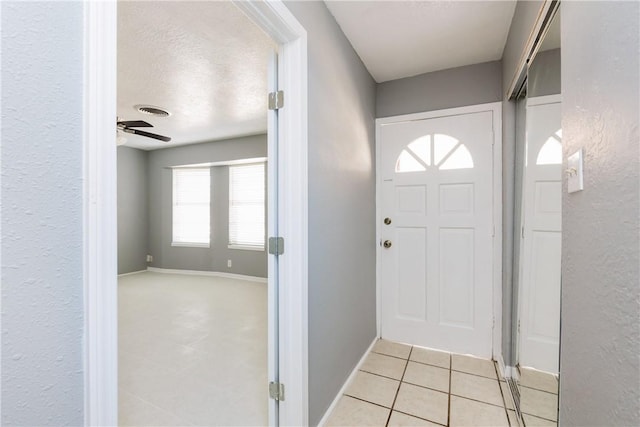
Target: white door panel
{"type": "Point", "coordinates": [436, 278]}
{"type": "Point", "coordinates": [541, 239]}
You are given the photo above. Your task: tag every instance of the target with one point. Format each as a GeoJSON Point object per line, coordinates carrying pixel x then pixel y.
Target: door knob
{"type": "Point", "coordinates": [387, 244]}
{"type": "Point", "coordinates": [387, 220]}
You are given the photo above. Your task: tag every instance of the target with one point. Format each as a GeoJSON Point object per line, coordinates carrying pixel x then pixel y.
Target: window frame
{"type": "Point", "coordinates": [187, 244]}
{"type": "Point", "coordinates": [242, 246]}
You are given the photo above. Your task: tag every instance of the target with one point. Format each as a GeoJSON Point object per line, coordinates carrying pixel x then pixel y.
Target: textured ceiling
{"type": "Point", "coordinates": [205, 62]}
{"type": "Point", "coordinates": [397, 39]}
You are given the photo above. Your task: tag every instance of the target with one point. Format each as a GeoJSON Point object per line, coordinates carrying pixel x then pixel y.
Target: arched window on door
{"type": "Point", "coordinates": [442, 151]}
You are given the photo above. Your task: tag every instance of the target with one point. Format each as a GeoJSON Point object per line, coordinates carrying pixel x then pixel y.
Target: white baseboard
{"type": "Point", "coordinates": [512, 372]}
{"type": "Point", "coordinates": [346, 384]}
{"type": "Point", "coordinates": [132, 273]}
{"type": "Point", "coordinates": [501, 366]}
{"type": "Point", "coordinates": [208, 273]}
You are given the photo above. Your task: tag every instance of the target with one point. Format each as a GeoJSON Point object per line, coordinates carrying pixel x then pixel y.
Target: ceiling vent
{"type": "Point", "coordinates": [152, 111]}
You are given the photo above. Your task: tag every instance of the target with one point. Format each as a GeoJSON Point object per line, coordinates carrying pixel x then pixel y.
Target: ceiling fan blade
{"type": "Point", "coordinates": [149, 134]}
{"type": "Point", "coordinates": [135, 124]}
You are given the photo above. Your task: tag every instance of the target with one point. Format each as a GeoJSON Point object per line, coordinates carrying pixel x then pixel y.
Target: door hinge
{"type": "Point", "coordinates": [276, 100]}
{"type": "Point", "coordinates": [276, 245]}
{"type": "Point", "coordinates": [276, 391]}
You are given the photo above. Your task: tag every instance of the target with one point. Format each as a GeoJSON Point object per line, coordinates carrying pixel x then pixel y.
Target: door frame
{"type": "Point", "coordinates": [496, 109]}
{"type": "Point", "coordinates": [100, 208]}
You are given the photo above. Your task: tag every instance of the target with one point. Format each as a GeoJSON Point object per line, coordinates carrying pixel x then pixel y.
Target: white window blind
{"type": "Point", "coordinates": [191, 207]}
{"type": "Point", "coordinates": [246, 206]}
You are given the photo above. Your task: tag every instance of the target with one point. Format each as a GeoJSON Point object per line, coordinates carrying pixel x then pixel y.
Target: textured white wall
{"type": "Point", "coordinates": [42, 314]}
{"type": "Point", "coordinates": [600, 336]}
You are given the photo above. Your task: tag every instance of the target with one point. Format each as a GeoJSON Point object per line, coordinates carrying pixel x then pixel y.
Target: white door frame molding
{"type": "Point", "coordinates": [100, 208]}
{"type": "Point", "coordinates": [496, 109]}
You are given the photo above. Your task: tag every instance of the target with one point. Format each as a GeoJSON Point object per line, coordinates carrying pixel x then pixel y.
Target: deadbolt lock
{"type": "Point", "coordinates": [387, 244]}
{"type": "Point", "coordinates": [387, 220]}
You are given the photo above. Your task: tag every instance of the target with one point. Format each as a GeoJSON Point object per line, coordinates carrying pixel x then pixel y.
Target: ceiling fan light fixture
{"type": "Point", "coordinates": [151, 110]}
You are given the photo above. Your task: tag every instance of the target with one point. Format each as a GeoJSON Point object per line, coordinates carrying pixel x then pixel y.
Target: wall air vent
{"type": "Point", "coordinates": [152, 111]}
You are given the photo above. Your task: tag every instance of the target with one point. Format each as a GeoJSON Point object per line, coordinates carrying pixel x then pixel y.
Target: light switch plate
{"type": "Point", "coordinates": [575, 180]}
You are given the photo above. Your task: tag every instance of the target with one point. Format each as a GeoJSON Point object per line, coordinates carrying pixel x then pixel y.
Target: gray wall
{"type": "Point", "coordinates": [251, 263]}
{"type": "Point", "coordinates": [455, 87]}
{"type": "Point", "coordinates": [42, 285]}
{"type": "Point", "coordinates": [133, 210]}
{"type": "Point", "coordinates": [524, 18]}
{"type": "Point", "coordinates": [342, 297]}
{"type": "Point", "coordinates": [543, 77]}
{"type": "Point", "coordinates": [600, 342]}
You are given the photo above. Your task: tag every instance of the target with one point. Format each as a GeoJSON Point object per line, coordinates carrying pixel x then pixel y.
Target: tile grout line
{"type": "Point", "coordinates": [379, 375]}
{"type": "Point", "coordinates": [420, 418]}
{"type": "Point", "coordinates": [476, 400]}
{"type": "Point", "coordinates": [399, 385]}
{"type": "Point", "coordinates": [428, 388]}
{"type": "Point", "coordinates": [365, 401]}
{"type": "Point", "coordinates": [538, 389]}
{"type": "Point", "coordinates": [542, 418]}
{"type": "Point", "coordinates": [504, 400]}
{"type": "Point", "coordinates": [449, 394]}
{"type": "Point", "coordinates": [450, 365]}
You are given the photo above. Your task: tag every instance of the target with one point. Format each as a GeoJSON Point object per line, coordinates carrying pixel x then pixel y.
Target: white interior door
{"type": "Point", "coordinates": [539, 335]}
{"type": "Point", "coordinates": [273, 273]}
{"type": "Point", "coordinates": [436, 213]}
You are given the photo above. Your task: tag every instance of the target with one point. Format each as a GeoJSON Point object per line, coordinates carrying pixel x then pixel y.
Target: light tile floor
{"type": "Point", "coordinates": [192, 351]}
{"type": "Point", "coordinates": [538, 397]}
{"type": "Point", "coordinates": [400, 385]}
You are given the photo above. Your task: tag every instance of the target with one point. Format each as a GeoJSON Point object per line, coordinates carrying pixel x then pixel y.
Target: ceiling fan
{"type": "Point", "coordinates": [128, 127]}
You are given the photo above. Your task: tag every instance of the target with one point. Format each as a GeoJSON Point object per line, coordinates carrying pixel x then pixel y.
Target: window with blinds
{"type": "Point", "coordinates": [246, 206]}
{"type": "Point", "coordinates": [191, 207]}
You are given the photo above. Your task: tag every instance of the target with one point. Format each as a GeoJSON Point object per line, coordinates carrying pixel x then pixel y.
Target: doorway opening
{"type": "Point", "coordinates": [101, 211]}
{"type": "Point", "coordinates": [193, 317]}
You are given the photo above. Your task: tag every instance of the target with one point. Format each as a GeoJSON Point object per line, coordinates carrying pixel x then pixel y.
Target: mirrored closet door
{"type": "Point", "coordinates": [538, 247]}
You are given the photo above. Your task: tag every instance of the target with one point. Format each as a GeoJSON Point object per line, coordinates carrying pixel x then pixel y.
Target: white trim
{"type": "Point", "coordinates": [222, 163]}
{"type": "Point", "coordinates": [99, 215]}
{"type": "Point", "coordinates": [207, 273]}
{"type": "Point", "coordinates": [497, 229]}
{"type": "Point", "coordinates": [496, 109]}
{"type": "Point", "coordinates": [346, 385]}
{"type": "Point", "coordinates": [132, 273]}
{"type": "Point", "coordinates": [189, 245]}
{"type": "Point", "coordinates": [278, 22]}
{"type": "Point", "coordinates": [501, 366]}
{"type": "Point", "coordinates": [246, 248]}
{"type": "Point", "coordinates": [100, 263]}
{"type": "Point", "coordinates": [378, 232]}
{"type": "Point", "coordinates": [531, 102]}
{"type": "Point", "coordinates": [542, 100]}
{"type": "Point", "coordinates": [512, 372]}
{"type": "Point", "coordinates": [490, 106]}
{"type": "Point", "coordinates": [527, 50]}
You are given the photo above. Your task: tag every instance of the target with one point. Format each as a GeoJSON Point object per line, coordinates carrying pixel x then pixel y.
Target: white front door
{"type": "Point", "coordinates": [436, 216]}
{"type": "Point", "coordinates": [539, 316]}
